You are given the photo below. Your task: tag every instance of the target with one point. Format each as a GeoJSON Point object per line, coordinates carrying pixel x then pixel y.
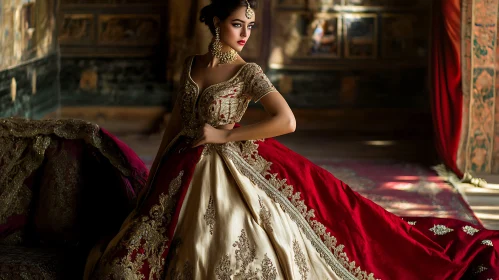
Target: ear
{"type": "Point", "coordinates": [216, 21]}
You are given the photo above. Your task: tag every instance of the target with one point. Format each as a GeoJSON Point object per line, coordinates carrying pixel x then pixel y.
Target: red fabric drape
{"type": "Point", "coordinates": [446, 80]}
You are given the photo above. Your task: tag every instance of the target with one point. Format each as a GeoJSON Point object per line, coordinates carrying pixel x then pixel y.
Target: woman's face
{"type": "Point", "coordinates": [236, 29]}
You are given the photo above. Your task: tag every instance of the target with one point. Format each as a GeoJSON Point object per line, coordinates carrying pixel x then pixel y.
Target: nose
{"type": "Point", "coordinates": [244, 32]}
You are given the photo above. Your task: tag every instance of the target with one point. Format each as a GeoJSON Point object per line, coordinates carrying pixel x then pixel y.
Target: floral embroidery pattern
{"type": "Point", "coordinates": [150, 228]}
{"type": "Point", "coordinates": [488, 242]}
{"type": "Point", "coordinates": [412, 223]}
{"type": "Point", "coordinates": [470, 230]}
{"type": "Point", "coordinates": [265, 216]}
{"type": "Point", "coordinates": [245, 255]}
{"type": "Point", "coordinates": [223, 271]}
{"type": "Point", "coordinates": [440, 230]}
{"type": "Point", "coordinates": [209, 216]}
{"type": "Point", "coordinates": [300, 260]}
{"type": "Point", "coordinates": [269, 272]}
{"type": "Point", "coordinates": [245, 156]}
{"type": "Point", "coordinates": [221, 103]}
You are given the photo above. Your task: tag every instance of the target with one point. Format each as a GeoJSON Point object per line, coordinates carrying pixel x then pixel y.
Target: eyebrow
{"type": "Point", "coordinates": [241, 20]}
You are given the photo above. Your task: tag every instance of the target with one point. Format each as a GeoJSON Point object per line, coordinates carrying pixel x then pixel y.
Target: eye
{"type": "Point", "coordinates": [236, 25]}
{"type": "Point", "coordinates": [251, 26]}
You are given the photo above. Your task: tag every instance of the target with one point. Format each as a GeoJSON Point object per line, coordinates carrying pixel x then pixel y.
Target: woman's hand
{"type": "Point", "coordinates": [210, 135]}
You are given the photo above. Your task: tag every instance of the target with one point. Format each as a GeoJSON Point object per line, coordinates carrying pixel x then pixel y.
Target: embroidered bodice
{"type": "Point", "coordinates": [222, 103]}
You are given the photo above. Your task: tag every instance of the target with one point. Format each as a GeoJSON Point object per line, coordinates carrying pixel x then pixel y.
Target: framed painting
{"type": "Point", "coordinates": [76, 29]}
{"type": "Point", "coordinates": [129, 30]}
{"type": "Point", "coordinates": [404, 35]}
{"type": "Point", "coordinates": [320, 36]}
{"type": "Point", "coordinates": [302, 38]}
{"type": "Point", "coordinates": [360, 34]}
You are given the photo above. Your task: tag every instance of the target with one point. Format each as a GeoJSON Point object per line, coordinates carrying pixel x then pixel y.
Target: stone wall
{"type": "Point", "coordinates": [112, 82]}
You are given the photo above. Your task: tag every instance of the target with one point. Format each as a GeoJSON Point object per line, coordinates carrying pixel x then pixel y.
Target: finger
{"type": "Point", "coordinates": [199, 142]}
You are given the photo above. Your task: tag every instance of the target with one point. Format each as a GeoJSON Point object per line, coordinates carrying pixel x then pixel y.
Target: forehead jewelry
{"type": "Point", "coordinates": [249, 11]}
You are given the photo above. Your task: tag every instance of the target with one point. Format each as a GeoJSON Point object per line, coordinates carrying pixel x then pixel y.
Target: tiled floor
{"type": "Point", "coordinates": [484, 201]}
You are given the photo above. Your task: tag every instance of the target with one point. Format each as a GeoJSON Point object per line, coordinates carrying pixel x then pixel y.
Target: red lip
{"type": "Point", "coordinates": [242, 42]}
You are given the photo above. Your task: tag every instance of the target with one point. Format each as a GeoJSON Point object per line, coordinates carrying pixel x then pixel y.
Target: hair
{"type": "Point", "coordinates": [222, 9]}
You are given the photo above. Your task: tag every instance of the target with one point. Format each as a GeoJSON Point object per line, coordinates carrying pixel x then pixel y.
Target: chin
{"type": "Point", "coordinates": [238, 48]}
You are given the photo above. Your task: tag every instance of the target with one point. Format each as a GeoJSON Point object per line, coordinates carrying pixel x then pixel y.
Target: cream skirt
{"type": "Point", "coordinates": [229, 228]}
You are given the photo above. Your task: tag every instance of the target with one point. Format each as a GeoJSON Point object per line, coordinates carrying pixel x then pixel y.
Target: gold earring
{"type": "Point", "coordinates": [216, 50]}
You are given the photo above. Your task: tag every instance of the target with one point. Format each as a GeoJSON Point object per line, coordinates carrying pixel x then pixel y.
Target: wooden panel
{"type": "Point", "coordinates": [77, 29]}
{"type": "Point", "coordinates": [129, 30]}
{"type": "Point", "coordinates": [112, 28]}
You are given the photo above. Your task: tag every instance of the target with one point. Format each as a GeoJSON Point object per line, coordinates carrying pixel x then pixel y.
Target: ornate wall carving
{"type": "Point", "coordinates": [112, 28]}
{"type": "Point", "coordinates": [479, 147]}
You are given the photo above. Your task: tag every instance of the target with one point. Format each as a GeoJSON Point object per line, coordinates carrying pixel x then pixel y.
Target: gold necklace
{"type": "Point", "coordinates": [216, 50]}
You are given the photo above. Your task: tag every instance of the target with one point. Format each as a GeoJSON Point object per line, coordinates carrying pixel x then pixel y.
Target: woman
{"type": "Point", "coordinates": [222, 204]}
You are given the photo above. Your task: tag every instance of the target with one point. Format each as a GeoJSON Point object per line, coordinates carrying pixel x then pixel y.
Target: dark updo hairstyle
{"type": "Point", "coordinates": [222, 9]}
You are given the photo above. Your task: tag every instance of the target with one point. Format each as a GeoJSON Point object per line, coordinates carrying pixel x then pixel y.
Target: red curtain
{"type": "Point", "coordinates": [446, 80]}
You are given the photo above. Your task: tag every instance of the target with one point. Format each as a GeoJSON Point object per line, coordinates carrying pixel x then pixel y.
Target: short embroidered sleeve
{"type": "Point", "coordinates": [258, 84]}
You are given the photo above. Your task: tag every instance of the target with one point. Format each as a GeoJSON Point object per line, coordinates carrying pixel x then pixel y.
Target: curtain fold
{"type": "Point", "coordinates": [447, 95]}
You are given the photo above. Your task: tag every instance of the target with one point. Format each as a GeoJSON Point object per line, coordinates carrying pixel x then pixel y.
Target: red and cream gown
{"type": "Point", "coordinates": [257, 210]}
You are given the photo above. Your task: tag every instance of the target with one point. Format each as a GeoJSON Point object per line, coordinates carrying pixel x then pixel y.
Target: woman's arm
{"type": "Point", "coordinates": [281, 121]}
{"type": "Point", "coordinates": [173, 127]}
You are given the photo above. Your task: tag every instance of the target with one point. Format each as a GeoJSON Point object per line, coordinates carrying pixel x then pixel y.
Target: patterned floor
{"type": "Point", "coordinates": [405, 189]}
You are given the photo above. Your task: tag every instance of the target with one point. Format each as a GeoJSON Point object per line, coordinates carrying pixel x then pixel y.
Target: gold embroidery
{"type": "Point", "coordinates": [470, 230]}
{"type": "Point", "coordinates": [479, 269]}
{"type": "Point", "coordinates": [440, 230]}
{"type": "Point", "coordinates": [19, 157]}
{"type": "Point", "coordinates": [223, 270]}
{"type": "Point", "coordinates": [259, 83]}
{"type": "Point", "coordinates": [147, 239]}
{"type": "Point", "coordinates": [488, 242]}
{"type": "Point", "coordinates": [412, 223]}
{"type": "Point", "coordinates": [56, 214]}
{"type": "Point", "coordinates": [245, 156]}
{"type": "Point", "coordinates": [265, 216]}
{"type": "Point", "coordinates": [300, 260]}
{"type": "Point", "coordinates": [23, 144]}
{"type": "Point", "coordinates": [209, 216]}
{"type": "Point", "coordinates": [222, 103]}
{"type": "Point", "coordinates": [256, 168]}
{"type": "Point", "coordinates": [269, 272]}
{"type": "Point", "coordinates": [245, 254]}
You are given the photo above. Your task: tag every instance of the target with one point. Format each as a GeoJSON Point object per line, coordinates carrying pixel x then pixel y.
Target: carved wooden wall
{"type": "Point", "coordinates": [112, 28]}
